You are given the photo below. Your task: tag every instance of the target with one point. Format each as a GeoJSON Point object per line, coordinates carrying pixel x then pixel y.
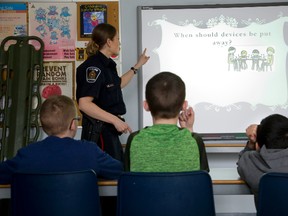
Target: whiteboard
{"type": "Point", "coordinates": [232, 58]}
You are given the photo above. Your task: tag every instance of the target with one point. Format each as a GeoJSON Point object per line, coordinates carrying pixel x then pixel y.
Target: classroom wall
{"type": "Point", "coordinates": [129, 53]}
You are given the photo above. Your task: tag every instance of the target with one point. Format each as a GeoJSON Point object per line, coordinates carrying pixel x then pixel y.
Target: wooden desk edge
{"type": "Point", "coordinates": [100, 183]}
{"type": "Point", "coordinates": [115, 182]}
{"type": "Point", "coordinates": [225, 145]}
{"type": "Point", "coordinates": [107, 183]}
{"type": "Point", "coordinates": [217, 182]}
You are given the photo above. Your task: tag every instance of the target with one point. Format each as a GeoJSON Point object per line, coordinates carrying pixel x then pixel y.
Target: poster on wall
{"type": "Point", "coordinates": [13, 20]}
{"type": "Point", "coordinates": [58, 79]}
{"type": "Point", "coordinates": [54, 23]}
{"type": "Point", "coordinates": [89, 15]}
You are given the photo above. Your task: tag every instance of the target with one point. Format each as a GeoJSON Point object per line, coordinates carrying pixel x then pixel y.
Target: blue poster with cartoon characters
{"type": "Point", "coordinates": [56, 25]}
{"type": "Point", "coordinates": [90, 16]}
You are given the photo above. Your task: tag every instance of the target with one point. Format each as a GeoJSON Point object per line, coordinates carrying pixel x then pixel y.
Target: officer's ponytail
{"type": "Point", "coordinates": [100, 34]}
{"type": "Point", "coordinates": [91, 48]}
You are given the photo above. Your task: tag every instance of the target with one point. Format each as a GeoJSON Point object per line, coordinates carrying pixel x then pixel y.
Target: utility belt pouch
{"type": "Point", "coordinates": [91, 128]}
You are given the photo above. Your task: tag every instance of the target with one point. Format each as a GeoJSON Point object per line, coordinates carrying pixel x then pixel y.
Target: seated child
{"type": "Point", "coordinates": [165, 147]}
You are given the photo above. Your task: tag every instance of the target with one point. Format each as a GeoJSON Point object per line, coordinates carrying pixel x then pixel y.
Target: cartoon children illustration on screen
{"type": "Point", "coordinates": [243, 60]}
{"type": "Point", "coordinates": [268, 62]}
{"type": "Point", "coordinates": [232, 59]}
{"type": "Point", "coordinates": [255, 61]}
{"type": "Point", "coordinates": [255, 57]}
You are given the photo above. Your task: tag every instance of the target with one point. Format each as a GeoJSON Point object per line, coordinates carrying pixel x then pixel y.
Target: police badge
{"type": "Point", "coordinates": [92, 73]}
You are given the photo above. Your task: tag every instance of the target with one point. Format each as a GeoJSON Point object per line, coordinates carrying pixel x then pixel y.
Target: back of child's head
{"type": "Point", "coordinates": [273, 132]}
{"type": "Point", "coordinates": [56, 114]}
{"type": "Point", "coordinates": [165, 95]}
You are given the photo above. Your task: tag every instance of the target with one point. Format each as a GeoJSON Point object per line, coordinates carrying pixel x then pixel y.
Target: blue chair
{"type": "Point", "coordinates": [55, 194]}
{"type": "Point", "coordinates": [165, 194]}
{"type": "Point", "coordinates": [273, 193]}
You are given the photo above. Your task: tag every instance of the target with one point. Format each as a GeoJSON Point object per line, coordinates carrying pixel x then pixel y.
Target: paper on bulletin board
{"type": "Point", "coordinates": [13, 20]}
{"type": "Point", "coordinates": [55, 24]}
{"type": "Point", "coordinates": [57, 79]}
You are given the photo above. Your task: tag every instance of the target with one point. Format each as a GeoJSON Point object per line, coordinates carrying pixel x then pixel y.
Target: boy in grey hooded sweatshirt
{"type": "Point", "coordinates": [266, 151]}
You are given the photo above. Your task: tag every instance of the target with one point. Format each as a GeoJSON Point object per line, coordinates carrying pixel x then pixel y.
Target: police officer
{"type": "Point", "coordinates": [99, 93]}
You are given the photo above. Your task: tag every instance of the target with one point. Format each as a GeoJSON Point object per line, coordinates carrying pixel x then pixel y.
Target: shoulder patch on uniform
{"type": "Point", "coordinates": [92, 73]}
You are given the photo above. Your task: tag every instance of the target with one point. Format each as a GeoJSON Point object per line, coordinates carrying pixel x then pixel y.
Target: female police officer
{"type": "Point", "coordinates": [99, 94]}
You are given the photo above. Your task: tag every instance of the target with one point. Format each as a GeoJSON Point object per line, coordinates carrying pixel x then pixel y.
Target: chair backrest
{"type": "Point", "coordinates": [273, 193]}
{"type": "Point", "coordinates": [55, 194]}
{"type": "Point", "coordinates": [165, 194]}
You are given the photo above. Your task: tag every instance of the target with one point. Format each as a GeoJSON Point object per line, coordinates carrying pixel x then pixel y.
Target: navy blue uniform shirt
{"type": "Point", "coordinates": [97, 77]}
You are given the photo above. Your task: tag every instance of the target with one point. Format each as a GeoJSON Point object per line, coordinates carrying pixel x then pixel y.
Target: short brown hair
{"type": "Point", "coordinates": [165, 95]}
{"type": "Point", "coordinates": [56, 114]}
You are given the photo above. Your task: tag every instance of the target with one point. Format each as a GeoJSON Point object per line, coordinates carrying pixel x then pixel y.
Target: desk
{"type": "Point", "coordinates": [226, 181]}
{"type": "Point", "coordinates": [4, 191]}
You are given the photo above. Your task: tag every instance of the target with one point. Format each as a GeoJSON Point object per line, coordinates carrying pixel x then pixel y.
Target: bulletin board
{"type": "Point", "coordinates": [90, 15]}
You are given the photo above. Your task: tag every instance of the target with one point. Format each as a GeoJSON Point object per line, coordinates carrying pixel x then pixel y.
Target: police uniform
{"type": "Point", "coordinates": [97, 77]}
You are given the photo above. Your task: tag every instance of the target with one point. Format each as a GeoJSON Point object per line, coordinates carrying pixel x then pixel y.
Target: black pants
{"type": "Point", "coordinates": [105, 135]}
{"type": "Point", "coordinates": [110, 143]}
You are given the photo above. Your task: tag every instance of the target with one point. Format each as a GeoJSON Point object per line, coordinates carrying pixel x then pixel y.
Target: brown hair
{"type": "Point", "coordinates": [165, 95]}
{"type": "Point", "coordinates": [56, 114]}
{"type": "Point", "coordinates": [99, 37]}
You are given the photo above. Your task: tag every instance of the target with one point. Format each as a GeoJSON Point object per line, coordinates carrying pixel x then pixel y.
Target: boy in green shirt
{"type": "Point", "coordinates": [164, 147]}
